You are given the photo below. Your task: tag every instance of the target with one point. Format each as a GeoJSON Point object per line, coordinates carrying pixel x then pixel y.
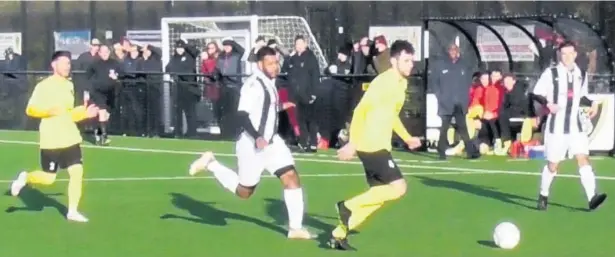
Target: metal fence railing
{"type": "Point", "coordinates": [152, 104]}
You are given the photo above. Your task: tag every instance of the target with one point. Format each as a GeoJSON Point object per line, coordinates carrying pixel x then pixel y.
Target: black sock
{"type": "Point", "coordinates": [103, 128]}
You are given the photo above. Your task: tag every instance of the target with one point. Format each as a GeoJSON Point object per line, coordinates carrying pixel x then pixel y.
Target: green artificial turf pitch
{"type": "Point", "coordinates": [141, 202]}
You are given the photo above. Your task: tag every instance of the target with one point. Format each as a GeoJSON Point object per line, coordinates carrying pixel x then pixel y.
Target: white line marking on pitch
{"type": "Point", "coordinates": [331, 175]}
{"type": "Point", "coordinates": [145, 150]}
{"type": "Point", "coordinates": [455, 170]}
{"type": "Point", "coordinates": [307, 175]}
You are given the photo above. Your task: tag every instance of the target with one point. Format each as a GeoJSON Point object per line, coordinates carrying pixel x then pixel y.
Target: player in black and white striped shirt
{"type": "Point", "coordinates": [259, 146]}
{"type": "Point", "coordinates": [563, 89]}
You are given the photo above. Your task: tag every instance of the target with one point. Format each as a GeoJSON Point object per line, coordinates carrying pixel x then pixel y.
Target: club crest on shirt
{"type": "Point", "coordinates": [301, 65]}
{"type": "Point", "coordinates": [183, 58]}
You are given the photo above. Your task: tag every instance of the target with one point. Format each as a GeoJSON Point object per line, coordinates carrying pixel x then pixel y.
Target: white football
{"type": "Point", "coordinates": [506, 235]}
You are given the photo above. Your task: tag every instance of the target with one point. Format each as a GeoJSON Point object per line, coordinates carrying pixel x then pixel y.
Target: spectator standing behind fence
{"type": "Point", "coordinates": [363, 65]}
{"type": "Point", "coordinates": [288, 127]}
{"type": "Point", "coordinates": [188, 94]}
{"type": "Point", "coordinates": [304, 76]}
{"type": "Point", "coordinates": [132, 95]}
{"type": "Point", "coordinates": [331, 99]}
{"type": "Point", "coordinates": [16, 86]}
{"type": "Point", "coordinates": [382, 54]}
{"type": "Point", "coordinates": [229, 65]}
{"type": "Point", "coordinates": [451, 86]}
{"type": "Point", "coordinates": [211, 91]}
{"type": "Point", "coordinates": [281, 52]}
{"type": "Point", "coordinates": [118, 51]}
{"type": "Point", "coordinates": [82, 63]}
{"type": "Point", "coordinates": [151, 63]}
{"type": "Point", "coordinates": [104, 74]}
{"type": "Point", "coordinates": [258, 44]}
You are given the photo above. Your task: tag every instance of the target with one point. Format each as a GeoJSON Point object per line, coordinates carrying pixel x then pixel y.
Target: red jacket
{"type": "Point", "coordinates": [492, 98]}
{"type": "Point", "coordinates": [208, 66]}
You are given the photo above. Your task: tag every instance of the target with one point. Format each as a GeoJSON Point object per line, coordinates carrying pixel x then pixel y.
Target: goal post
{"type": "Point", "coordinates": [202, 30]}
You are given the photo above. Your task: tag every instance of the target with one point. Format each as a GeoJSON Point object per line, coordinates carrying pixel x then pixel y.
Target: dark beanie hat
{"type": "Point", "coordinates": [345, 49]}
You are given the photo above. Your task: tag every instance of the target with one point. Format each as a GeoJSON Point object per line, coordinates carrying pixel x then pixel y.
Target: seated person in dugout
{"type": "Point", "coordinates": [515, 104]}
{"type": "Point", "coordinates": [489, 134]}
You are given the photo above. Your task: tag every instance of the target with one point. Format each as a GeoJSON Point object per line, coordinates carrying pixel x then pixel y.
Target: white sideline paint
{"type": "Point", "coordinates": [129, 149]}
{"type": "Point", "coordinates": [308, 175]}
{"type": "Point", "coordinates": [443, 170]}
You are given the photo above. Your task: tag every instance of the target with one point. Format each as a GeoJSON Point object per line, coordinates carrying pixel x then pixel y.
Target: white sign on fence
{"type": "Point", "coordinates": [150, 37]}
{"type": "Point", "coordinates": [74, 41]}
{"type": "Point", "coordinates": [12, 40]}
{"type": "Point", "coordinates": [492, 50]}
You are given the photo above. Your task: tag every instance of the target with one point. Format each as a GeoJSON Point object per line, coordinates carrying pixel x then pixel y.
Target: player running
{"type": "Point", "coordinates": [53, 102]}
{"type": "Point", "coordinates": [259, 147]}
{"type": "Point", "coordinates": [375, 118]}
{"type": "Point", "coordinates": [563, 90]}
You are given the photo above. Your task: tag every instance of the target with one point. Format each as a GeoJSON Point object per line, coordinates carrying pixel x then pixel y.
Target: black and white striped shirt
{"type": "Point", "coordinates": [565, 90]}
{"type": "Point", "coordinates": [259, 98]}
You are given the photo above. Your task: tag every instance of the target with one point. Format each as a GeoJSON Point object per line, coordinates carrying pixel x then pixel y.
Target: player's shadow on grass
{"type": "Point", "coordinates": [276, 209]}
{"type": "Point", "coordinates": [206, 213]}
{"type": "Point", "coordinates": [489, 192]}
{"type": "Point", "coordinates": [487, 243]}
{"type": "Point", "coordinates": [35, 200]}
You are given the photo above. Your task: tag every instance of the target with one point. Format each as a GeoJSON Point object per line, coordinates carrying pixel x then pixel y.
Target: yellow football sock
{"type": "Point", "coordinates": [357, 218]}
{"type": "Point", "coordinates": [526, 130]}
{"type": "Point", "coordinates": [506, 146]}
{"type": "Point", "coordinates": [40, 177]}
{"type": "Point", "coordinates": [376, 195]}
{"type": "Point", "coordinates": [470, 126]}
{"type": "Point", "coordinates": [339, 232]}
{"type": "Point", "coordinates": [75, 184]}
{"type": "Point", "coordinates": [450, 135]}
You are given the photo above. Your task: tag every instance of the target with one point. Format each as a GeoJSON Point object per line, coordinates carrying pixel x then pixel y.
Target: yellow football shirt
{"type": "Point", "coordinates": [56, 131]}
{"type": "Point", "coordinates": [376, 116]}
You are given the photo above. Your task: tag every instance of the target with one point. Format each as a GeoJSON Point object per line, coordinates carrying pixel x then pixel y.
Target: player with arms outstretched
{"type": "Point", "coordinates": [259, 147]}
{"type": "Point", "coordinates": [563, 90]}
{"type": "Point", "coordinates": [375, 119]}
{"type": "Point", "coordinates": [53, 102]}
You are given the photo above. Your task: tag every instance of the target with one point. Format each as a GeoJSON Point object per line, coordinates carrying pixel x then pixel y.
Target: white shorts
{"type": "Point", "coordinates": [559, 147]}
{"type": "Point", "coordinates": [276, 158]}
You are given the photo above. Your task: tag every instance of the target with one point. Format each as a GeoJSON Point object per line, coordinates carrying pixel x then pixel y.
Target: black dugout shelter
{"type": "Point", "coordinates": [541, 30]}
{"type": "Point", "coordinates": [526, 45]}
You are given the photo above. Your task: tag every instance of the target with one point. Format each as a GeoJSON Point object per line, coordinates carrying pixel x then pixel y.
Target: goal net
{"type": "Point", "coordinates": [243, 29]}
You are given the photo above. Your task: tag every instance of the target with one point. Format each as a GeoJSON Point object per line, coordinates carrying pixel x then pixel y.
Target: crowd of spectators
{"type": "Point", "coordinates": [207, 91]}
